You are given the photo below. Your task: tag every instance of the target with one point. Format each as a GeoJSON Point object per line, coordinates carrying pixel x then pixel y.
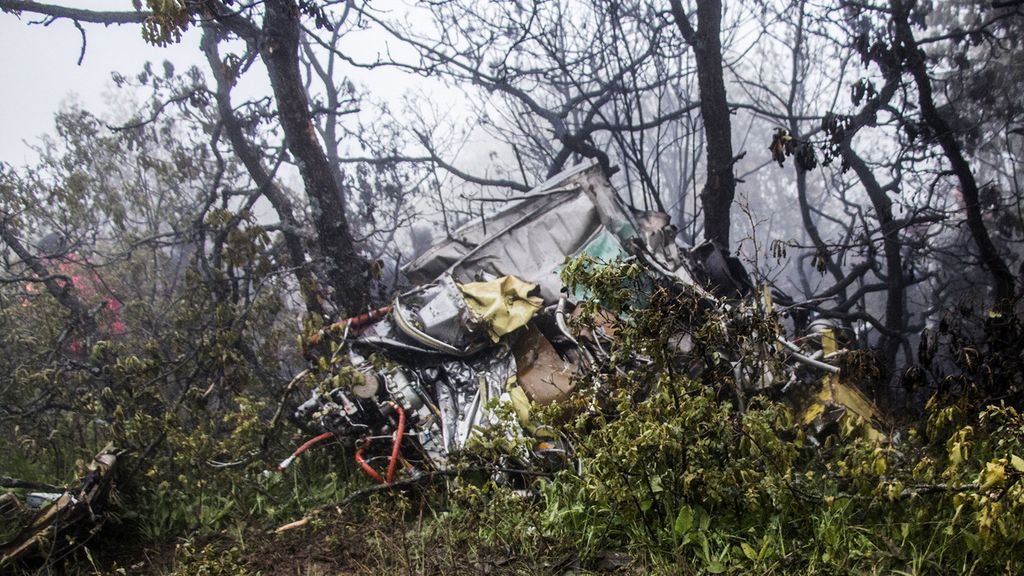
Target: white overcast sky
{"type": "Point", "coordinates": [40, 72]}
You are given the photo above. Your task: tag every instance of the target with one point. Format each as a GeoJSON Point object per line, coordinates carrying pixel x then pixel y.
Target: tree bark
{"type": "Point", "coordinates": [913, 57]}
{"type": "Point", "coordinates": [346, 271]}
{"type": "Point", "coordinates": [250, 158]}
{"type": "Point", "coordinates": [895, 285]}
{"type": "Point", "coordinates": [720, 187]}
{"type": "Point", "coordinates": [77, 14]}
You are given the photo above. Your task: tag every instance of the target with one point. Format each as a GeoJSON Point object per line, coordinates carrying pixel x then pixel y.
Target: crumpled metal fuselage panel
{"type": "Point", "coordinates": [531, 239]}
{"type": "Point", "coordinates": [535, 247]}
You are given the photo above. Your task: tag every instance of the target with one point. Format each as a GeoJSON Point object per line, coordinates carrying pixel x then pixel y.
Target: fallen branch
{"type": "Point", "coordinates": [73, 506]}
{"type": "Point", "coordinates": [265, 439]}
{"type": "Point", "coordinates": [8, 482]}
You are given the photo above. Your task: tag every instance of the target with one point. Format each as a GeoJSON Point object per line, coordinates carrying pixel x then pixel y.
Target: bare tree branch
{"type": "Point", "coordinates": [76, 14]}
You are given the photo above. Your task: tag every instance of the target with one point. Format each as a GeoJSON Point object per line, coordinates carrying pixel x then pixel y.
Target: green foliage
{"type": "Point", "coordinates": [681, 476]}
{"type": "Point", "coordinates": [192, 346]}
{"type": "Point", "coordinates": [169, 20]}
{"type": "Point", "coordinates": [674, 477]}
{"type": "Point", "coordinates": [209, 560]}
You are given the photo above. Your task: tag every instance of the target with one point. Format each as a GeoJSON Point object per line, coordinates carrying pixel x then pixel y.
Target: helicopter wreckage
{"type": "Point", "coordinates": [488, 326]}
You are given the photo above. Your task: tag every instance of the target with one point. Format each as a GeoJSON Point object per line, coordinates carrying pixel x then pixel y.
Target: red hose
{"type": "Point", "coordinates": [365, 318]}
{"type": "Point", "coordinates": [399, 433]}
{"type": "Point", "coordinates": [298, 451]}
{"type": "Point", "coordinates": [366, 466]}
{"type": "Point", "coordinates": [396, 447]}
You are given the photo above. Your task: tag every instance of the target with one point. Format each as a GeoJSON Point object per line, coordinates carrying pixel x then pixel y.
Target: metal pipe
{"type": "Point", "coordinates": [798, 355]}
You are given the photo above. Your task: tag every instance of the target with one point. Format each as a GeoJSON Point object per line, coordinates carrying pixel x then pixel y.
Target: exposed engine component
{"type": "Point", "coordinates": [439, 403]}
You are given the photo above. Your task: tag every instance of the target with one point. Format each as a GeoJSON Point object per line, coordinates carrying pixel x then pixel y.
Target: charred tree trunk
{"type": "Point", "coordinates": [720, 187]}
